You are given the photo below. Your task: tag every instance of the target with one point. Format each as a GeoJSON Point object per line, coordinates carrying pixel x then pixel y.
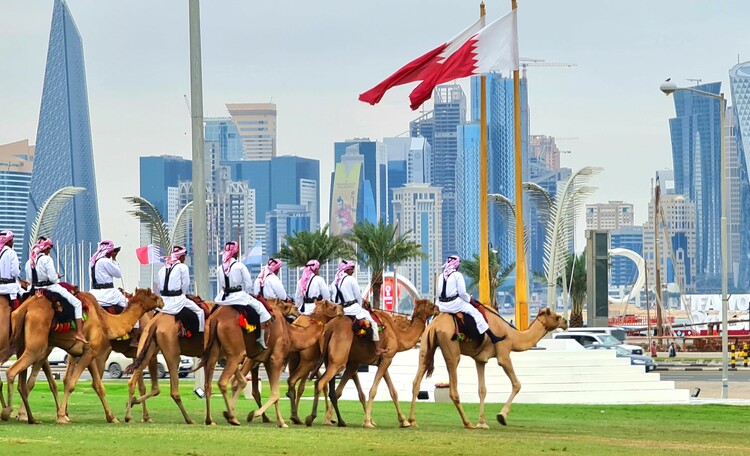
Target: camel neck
{"type": "Point", "coordinates": [524, 340]}
{"type": "Point", "coordinates": [409, 338]}
{"type": "Point", "coordinates": [304, 337]}
{"type": "Point", "coordinates": [119, 325]}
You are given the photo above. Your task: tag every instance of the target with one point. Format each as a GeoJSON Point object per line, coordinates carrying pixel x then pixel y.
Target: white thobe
{"type": "Point", "coordinates": [10, 269]}
{"type": "Point", "coordinates": [316, 288]}
{"type": "Point", "coordinates": [273, 288]}
{"type": "Point", "coordinates": [456, 286]}
{"type": "Point", "coordinates": [352, 302]}
{"type": "Point", "coordinates": [46, 272]}
{"type": "Point", "coordinates": [106, 270]}
{"type": "Point", "coordinates": [179, 280]}
{"type": "Point", "coordinates": [239, 277]}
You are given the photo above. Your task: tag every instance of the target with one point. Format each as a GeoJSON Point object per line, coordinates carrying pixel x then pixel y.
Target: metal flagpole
{"type": "Point", "coordinates": [484, 232]}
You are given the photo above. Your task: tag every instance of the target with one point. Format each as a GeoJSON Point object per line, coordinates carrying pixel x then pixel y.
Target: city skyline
{"type": "Point", "coordinates": [566, 102]}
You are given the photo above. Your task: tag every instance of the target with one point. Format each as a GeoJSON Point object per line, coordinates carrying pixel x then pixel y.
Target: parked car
{"type": "Point", "coordinates": [57, 356]}
{"type": "Point", "coordinates": [186, 365]}
{"type": "Point", "coordinates": [117, 363]}
{"type": "Point", "coordinates": [635, 360]}
{"type": "Point", "coordinates": [585, 339]}
{"type": "Point", "coordinates": [615, 331]}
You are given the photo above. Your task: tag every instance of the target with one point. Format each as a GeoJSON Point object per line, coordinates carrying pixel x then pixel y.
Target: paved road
{"type": "Point", "coordinates": [704, 376]}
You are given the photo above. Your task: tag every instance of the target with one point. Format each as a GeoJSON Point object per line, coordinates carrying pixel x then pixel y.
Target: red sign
{"type": "Point", "coordinates": [389, 294]}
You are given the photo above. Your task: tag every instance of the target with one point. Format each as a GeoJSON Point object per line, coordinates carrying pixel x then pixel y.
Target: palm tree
{"type": "Point", "coordinates": [379, 246]}
{"type": "Point", "coordinates": [578, 286]}
{"type": "Point", "coordinates": [303, 246]}
{"type": "Point", "coordinates": [498, 274]}
{"type": "Point", "coordinates": [157, 228]}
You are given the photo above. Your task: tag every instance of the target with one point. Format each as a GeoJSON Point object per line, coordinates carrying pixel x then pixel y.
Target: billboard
{"type": "Point", "coordinates": [344, 197]}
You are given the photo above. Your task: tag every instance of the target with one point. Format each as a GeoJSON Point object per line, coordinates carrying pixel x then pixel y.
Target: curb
{"type": "Point", "coordinates": [700, 368]}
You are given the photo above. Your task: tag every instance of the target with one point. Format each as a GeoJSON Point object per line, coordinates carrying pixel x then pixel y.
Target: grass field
{"type": "Point", "coordinates": [532, 430]}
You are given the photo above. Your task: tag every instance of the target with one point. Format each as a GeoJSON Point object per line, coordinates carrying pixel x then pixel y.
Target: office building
{"type": "Point", "coordinates": [696, 154]}
{"type": "Point", "coordinates": [223, 131]}
{"type": "Point", "coordinates": [440, 128]}
{"type": "Point", "coordinates": [609, 216]}
{"type": "Point", "coordinates": [16, 162]}
{"type": "Point", "coordinates": [372, 187]}
{"type": "Point", "coordinates": [739, 81]}
{"type": "Point", "coordinates": [64, 155]}
{"type": "Point", "coordinates": [623, 271]}
{"type": "Point", "coordinates": [417, 207]}
{"type": "Point", "coordinates": [256, 125]}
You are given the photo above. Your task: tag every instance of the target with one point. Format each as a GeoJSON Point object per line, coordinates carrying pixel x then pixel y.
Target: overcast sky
{"type": "Point", "coordinates": [313, 58]}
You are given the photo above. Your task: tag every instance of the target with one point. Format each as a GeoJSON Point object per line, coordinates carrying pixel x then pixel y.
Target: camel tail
{"type": "Point", "coordinates": [16, 339]}
{"type": "Point", "coordinates": [323, 355]}
{"type": "Point", "coordinates": [430, 349]}
{"type": "Point", "coordinates": [138, 362]}
{"type": "Point", "coordinates": [211, 333]}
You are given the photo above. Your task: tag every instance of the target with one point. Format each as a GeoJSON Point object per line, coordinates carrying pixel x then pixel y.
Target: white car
{"type": "Point", "coordinates": [117, 363]}
{"type": "Point", "coordinates": [594, 338]}
{"type": "Point", "coordinates": [57, 356]}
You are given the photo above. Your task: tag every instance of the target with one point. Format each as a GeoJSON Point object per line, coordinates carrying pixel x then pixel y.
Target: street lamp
{"type": "Point", "coordinates": [669, 87]}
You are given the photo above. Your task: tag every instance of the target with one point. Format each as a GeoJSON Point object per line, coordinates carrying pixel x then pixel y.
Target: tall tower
{"type": "Point", "coordinates": [64, 155]}
{"type": "Point", "coordinates": [256, 123]}
{"type": "Point", "coordinates": [16, 160]}
{"type": "Point", "coordinates": [739, 81]}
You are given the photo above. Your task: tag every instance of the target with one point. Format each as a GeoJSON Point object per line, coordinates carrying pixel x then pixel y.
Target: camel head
{"type": "Point", "coordinates": [551, 320]}
{"type": "Point", "coordinates": [287, 309]}
{"type": "Point", "coordinates": [325, 311]}
{"type": "Point", "coordinates": [147, 299]}
{"type": "Point", "coordinates": [424, 308]}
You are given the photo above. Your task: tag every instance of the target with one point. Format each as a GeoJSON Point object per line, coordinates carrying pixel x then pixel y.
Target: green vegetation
{"type": "Point", "coordinates": [533, 430]}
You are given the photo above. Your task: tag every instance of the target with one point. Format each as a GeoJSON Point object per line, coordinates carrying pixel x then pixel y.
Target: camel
{"type": "Point", "coordinates": [225, 336]}
{"type": "Point", "coordinates": [341, 349]}
{"type": "Point", "coordinates": [440, 334]}
{"type": "Point", "coordinates": [101, 327]}
{"type": "Point", "coordinates": [5, 312]}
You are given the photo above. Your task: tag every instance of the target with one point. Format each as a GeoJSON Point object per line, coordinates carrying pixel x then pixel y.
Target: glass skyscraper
{"type": "Point", "coordinates": [64, 155]}
{"type": "Point", "coordinates": [696, 154]}
{"type": "Point", "coordinates": [224, 131]}
{"type": "Point", "coordinates": [16, 161]}
{"type": "Point", "coordinates": [739, 81]}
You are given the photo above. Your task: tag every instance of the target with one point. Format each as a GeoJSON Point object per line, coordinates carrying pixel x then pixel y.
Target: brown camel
{"type": "Point", "coordinates": [5, 312]}
{"type": "Point", "coordinates": [440, 334]}
{"type": "Point", "coordinates": [341, 349]}
{"type": "Point", "coordinates": [101, 327]}
{"type": "Point", "coordinates": [228, 338]}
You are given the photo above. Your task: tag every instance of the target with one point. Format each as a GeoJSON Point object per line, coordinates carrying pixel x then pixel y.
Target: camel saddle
{"type": "Point", "coordinates": [465, 328]}
{"type": "Point", "coordinates": [64, 318]}
{"type": "Point", "coordinates": [248, 320]}
{"type": "Point", "coordinates": [16, 303]}
{"type": "Point", "coordinates": [362, 327]}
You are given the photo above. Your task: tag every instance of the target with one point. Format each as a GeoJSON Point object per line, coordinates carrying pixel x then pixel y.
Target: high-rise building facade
{"type": "Point", "coordinates": [64, 155]}
{"type": "Point", "coordinates": [609, 216]}
{"type": "Point", "coordinates": [417, 207]}
{"type": "Point", "coordinates": [696, 154]}
{"type": "Point", "coordinates": [467, 196]}
{"type": "Point", "coordinates": [374, 186]}
{"type": "Point", "coordinates": [256, 124]}
{"type": "Point", "coordinates": [16, 162]}
{"type": "Point", "coordinates": [223, 131]}
{"type": "Point", "coordinates": [440, 129]}
{"type": "Point", "coordinates": [739, 81]}
{"type": "Point", "coordinates": [623, 271]}
{"type": "Point", "coordinates": [285, 220]}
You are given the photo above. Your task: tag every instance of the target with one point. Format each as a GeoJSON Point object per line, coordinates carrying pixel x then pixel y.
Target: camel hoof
{"type": "Point", "coordinates": [296, 420]}
{"type": "Point", "coordinates": [266, 419]}
{"type": "Point", "coordinates": [283, 426]}
{"type": "Point", "coordinates": [341, 424]}
{"type": "Point", "coordinates": [501, 419]}
{"type": "Point", "coordinates": [189, 421]}
{"type": "Point", "coordinates": [231, 419]}
{"type": "Point", "coordinates": [413, 423]}
{"type": "Point", "coordinates": [146, 419]}
{"type": "Point", "coordinates": [368, 425]}
{"type": "Point", "coordinates": [483, 426]}
{"type": "Point", "coordinates": [62, 420]}
{"type": "Point", "coordinates": [114, 421]}
{"type": "Point", "coordinates": [405, 424]}
{"type": "Point", "coordinates": [251, 416]}
{"type": "Point", "coordinates": [5, 415]}
{"type": "Point", "coordinates": [309, 420]}
{"type": "Point", "coordinates": [469, 426]}
{"type": "Point", "coordinates": [128, 419]}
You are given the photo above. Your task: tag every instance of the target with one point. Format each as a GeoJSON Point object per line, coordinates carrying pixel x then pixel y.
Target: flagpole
{"type": "Point", "coordinates": [522, 287]}
{"type": "Point", "coordinates": [484, 259]}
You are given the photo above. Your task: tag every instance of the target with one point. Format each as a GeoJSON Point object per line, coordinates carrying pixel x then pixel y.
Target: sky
{"type": "Point", "coordinates": [313, 59]}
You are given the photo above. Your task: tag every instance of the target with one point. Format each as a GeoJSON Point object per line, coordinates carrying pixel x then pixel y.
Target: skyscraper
{"type": "Point", "coordinates": [739, 81]}
{"type": "Point", "coordinates": [64, 156]}
{"type": "Point", "coordinates": [440, 129]}
{"type": "Point", "coordinates": [374, 193]}
{"type": "Point", "coordinates": [256, 123]}
{"type": "Point", "coordinates": [609, 216]}
{"type": "Point", "coordinates": [696, 155]}
{"type": "Point", "coordinates": [467, 196]}
{"type": "Point", "coordinates": [224, 132]}
{"type": "Point", "coordinates": [417, 207]}
{"type": "Point", "coordinates": [16, 161]}
{"type": "Point", "coordinates": [623, 271]}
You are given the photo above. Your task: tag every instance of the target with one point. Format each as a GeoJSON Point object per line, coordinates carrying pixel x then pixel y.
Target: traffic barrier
{"type": "Point", "coordinates": [733, 362]}
{"type": "Point", "coordinates": [744, 354]}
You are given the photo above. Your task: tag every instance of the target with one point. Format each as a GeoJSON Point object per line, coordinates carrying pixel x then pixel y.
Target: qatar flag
{"type": "Point", "coordinates": [148, 254]}
{"type": "Point", "coordinates": [419, 68]}
{"type": "Point", "coordinates": [493, 48]}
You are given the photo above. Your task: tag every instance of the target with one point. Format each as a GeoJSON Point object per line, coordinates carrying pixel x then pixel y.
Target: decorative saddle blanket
{"type": "Point", "coordinates": [363, 328]}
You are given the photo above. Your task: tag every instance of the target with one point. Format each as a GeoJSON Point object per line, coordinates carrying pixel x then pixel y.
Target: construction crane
{"type": "Point", "coordinates": [525, 63]}
{"type": "Point", "coordinates": [695, 81]}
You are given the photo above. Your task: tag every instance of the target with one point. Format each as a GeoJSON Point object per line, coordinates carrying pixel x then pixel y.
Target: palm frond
{"type": "Point", "coordinates": [180, 228]}
{"type": "Point", "coordinates": [150, 217]}
{"type": "Point", "coordinates": [49, 214]}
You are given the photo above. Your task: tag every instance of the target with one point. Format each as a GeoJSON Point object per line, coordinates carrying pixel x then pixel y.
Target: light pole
{"type": "Point", "coordinates": [668, 88]}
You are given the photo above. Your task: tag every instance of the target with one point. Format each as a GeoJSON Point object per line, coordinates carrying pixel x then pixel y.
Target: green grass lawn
{"type": "Point", "coordinates": [532, 430]}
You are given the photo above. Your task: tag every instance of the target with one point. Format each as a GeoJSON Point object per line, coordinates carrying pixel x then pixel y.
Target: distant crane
{"type": "Point", "coordinates": [542, 63]}
{"type": "Point", "coordinates": [696, 81]}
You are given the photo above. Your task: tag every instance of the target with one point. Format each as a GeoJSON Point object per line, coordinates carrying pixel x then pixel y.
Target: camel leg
{"type": "Point", "coordinates": [70, 385]}
{"type": "Point", "coordinates": [51, 382]}
{"type": "Point", "coordinates": [256, 390]}
{"type": "Point", "coordinates": [232, 363]}
{"type": "Point", "coordinates": [18, 368]}
{"type": "Point", "coordinates": [333, 396]}
{"type": "Point", "coordinates": [382, 370]}
{"type": "Point", "coordinates": [505, 363]}
{"type": "Point", "coordinates": [96, 383]}
{"type": "Point", "coordinates": [173, 364]}
{"type": "Point", "coordinates": [23, 391]}
{"type": "Point", "coordinates": [416, 384]}
{"type": "Point", "coordinates": [273, 369]}
{"type": "Point", "coordinates": [239, 379]}
{"type": "Point", "coordinates": [349, 373]}
{"type": "Point", "coordinates": [452, 357]}
{"type": "Point", "coordinates": [295, 395]}
{"type": "Point", "coordinates": [30, 386]}
{"type": "Point", "coordinates": [208, 375]}
{"type": "Point", "coordinates": [135, 379]}
{"type": "Point", "coordinates": [482, 423]}
{"type": "Point", "coordinates": [153, 370]}
{"type": "Point", "coordinates": [403, 422]}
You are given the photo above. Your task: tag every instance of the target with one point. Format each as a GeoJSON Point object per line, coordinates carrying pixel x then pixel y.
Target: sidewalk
{"type": "Point", "coordinates": [739, 392]}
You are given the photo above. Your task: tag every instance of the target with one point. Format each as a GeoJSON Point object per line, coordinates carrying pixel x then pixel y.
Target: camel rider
{"type": "Point", "coordinates": [454, 298]}
{"type": "Point", "coordinates": [267, 284]}
{"type": "Point", "coordinates": [174, 283]}
{"type": "Point", "coordinates": [311, 287]}
{"type": "Point", "coordinates": [104, 270]}
{"type": "Point", "coordinates": [10, 268]}
{"type": "Point", "coordinates": [234, 281]}
{"type": "Point", "coordinates": [40, 269]}
{"type": "Point", "coordinates": [347, 294]}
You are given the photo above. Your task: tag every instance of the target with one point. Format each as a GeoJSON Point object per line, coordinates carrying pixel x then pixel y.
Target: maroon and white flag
{"type": "Point", "coordinates": [477, 50]}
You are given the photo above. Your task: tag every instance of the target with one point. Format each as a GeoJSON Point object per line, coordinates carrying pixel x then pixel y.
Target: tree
{"type": "Point", "coordinates": [155, 225]}
{"type": "Point", "coordinates": [578, 286]}
{"type": "Point", "coordinates": [498, 274]}
{"type": "Point", "coordinates": [379, 246]}
{"type": "Point", "coordinates": [303, 246]}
